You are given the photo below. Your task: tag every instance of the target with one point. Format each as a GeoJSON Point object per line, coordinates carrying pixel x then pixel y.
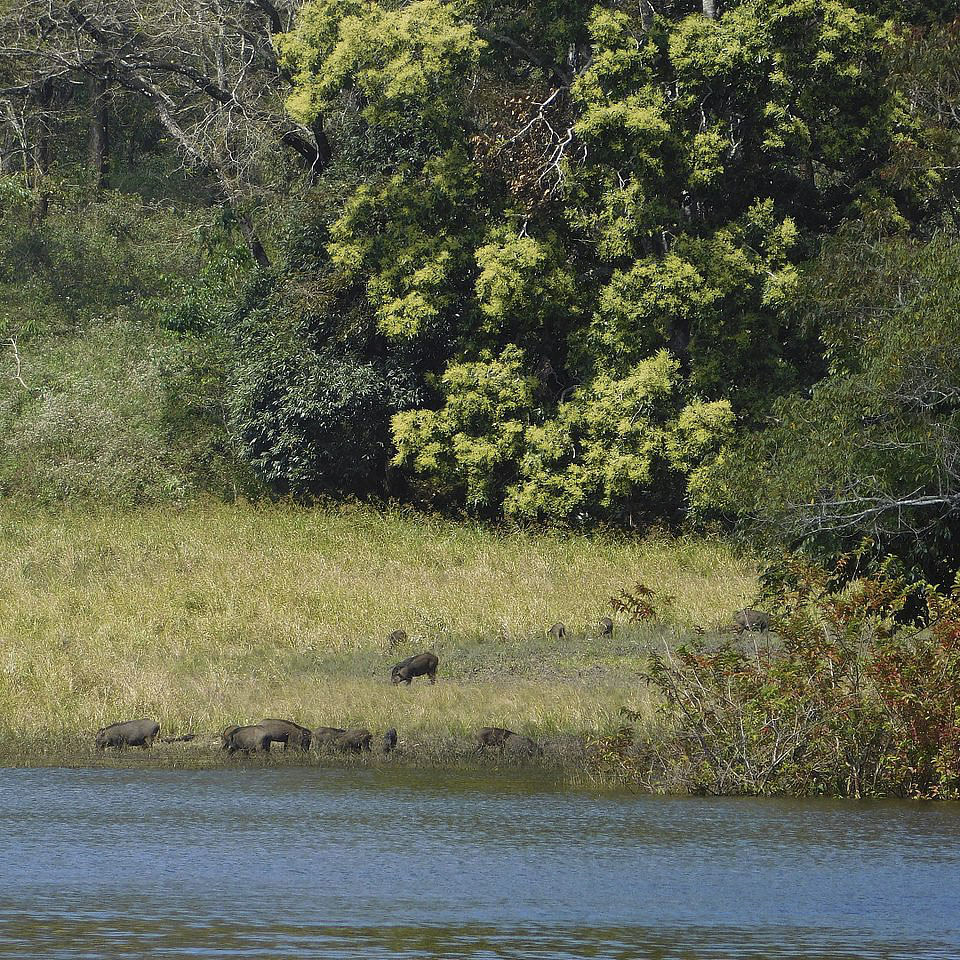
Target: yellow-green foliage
{"type": "Point", "coordinates": [410, 226]}
{"type": "Point", "coordinates": [220, 614]}
{"type": "Point", "coordinates": [606, 448]}
{"type": "Point", "coordinates": [604, 445]}
{"type": "Point", "coordinates": [522, 278]}
{"type": "Point", "coordinates": [478, 435]}
{"type": "Point", "coordinates": [399, 60]}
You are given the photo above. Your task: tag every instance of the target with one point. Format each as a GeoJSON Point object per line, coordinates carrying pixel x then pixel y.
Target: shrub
{"type": "Point", "coordinates": [92, 258]}
{"type": "Point", "coordinates": [311, 413]}
{"type": "Point", "coordinates": [845, 700]}
{"type": "Point", "coordinates": [120, 415]}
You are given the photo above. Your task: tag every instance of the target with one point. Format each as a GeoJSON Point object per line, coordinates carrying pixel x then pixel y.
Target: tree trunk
{"type": "Point", "coordinates": [272, 14]}
{"type": "Point", "coordinates": [710, 9]}
{"type": "Point", "coordinates": [324, 150]}
{"type": "Point", "coordinates": [43, 149]}
{"type": "Point", "coordinates": [98, 139]}
{"type": "Point", "coordinates": [252, 240]}
{"type": "Point", "coordinates": [679, 344]}
{"type": "Point", "coordinates": [646, 15]}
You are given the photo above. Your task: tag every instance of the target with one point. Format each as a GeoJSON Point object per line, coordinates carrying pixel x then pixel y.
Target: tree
{"type": "Point", "coordinates": [208, 72]}
{"type": "Point", "coordinates": [568, 195]}
{"type": "Point", "coordinates": [874, 449]}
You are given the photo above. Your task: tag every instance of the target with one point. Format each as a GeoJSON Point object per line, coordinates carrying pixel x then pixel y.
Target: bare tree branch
{"type": "Point", "coordinates": [17, 373]}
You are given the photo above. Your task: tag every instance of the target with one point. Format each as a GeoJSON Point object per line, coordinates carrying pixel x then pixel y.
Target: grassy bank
{"type": "Point", "coordinates": [219, 614]}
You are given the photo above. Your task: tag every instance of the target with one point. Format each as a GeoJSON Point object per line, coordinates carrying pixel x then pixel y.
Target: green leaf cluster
{"type": "Point", "coordinates": [578, 229]}
{"type": "Point", "coordinates": [607, 451]}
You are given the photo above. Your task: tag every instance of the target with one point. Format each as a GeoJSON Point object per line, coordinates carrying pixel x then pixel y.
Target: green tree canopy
{"type": "Point", "coordinates": [581, 223]}
{"type": "Point", "coordinates": [874, 448]}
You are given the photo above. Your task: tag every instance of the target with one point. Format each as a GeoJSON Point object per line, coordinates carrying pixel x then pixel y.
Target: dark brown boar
{"type": "Point", "coordinates": [248, 739]}
{"type": "Point", "coordinates": [500, 738]}
{"type": "Point", "coordinates": [748, 619]}
{"type": "Point", "coordinates": [493, 736]}
{"type": "Point", "coordinates": [288, 733]}
{"type": "Point", "coordinates": [326, 736]}
{"type": "Point", "coordinates": [353, 741]}
{"type": "Point", "coordinates": [131, 733]}
{"type": "Point", "coordinates": [423, 664]}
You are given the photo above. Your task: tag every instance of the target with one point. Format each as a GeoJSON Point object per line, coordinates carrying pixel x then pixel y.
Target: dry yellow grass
{"type": "Point", "coordinates": [217, 614]}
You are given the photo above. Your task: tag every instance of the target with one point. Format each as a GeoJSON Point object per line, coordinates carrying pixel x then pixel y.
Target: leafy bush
{"type": "Point", "coordinates": [91, 257]}
{"type": "Point", "coordinates": [310, 403]}
{"type": "Point", "coordinates": [119, 415]}
{"type": "Point", "coordinates": [641, 604]}
{"type": "Point", "coordinates": [470, 447]}
{"type": "Point", "coordinates": [844, 700]}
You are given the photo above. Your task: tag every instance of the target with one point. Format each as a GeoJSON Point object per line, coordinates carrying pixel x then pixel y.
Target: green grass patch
{"type": "Point", "coordinates": [217, 614]}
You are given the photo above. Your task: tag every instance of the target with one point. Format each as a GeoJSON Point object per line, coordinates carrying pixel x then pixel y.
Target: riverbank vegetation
{"type": "Point", "coordinates": [850, 696]}
{"type": "Point", "coordinates": [672, 270]}
{"type": "Point", "coordinates": [219, 614]}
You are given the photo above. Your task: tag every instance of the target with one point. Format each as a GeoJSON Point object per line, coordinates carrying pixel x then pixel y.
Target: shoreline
{"type": "Point", "coordinates": [563, 756]}
{"type": "Point", "coordinates": [217, 614]}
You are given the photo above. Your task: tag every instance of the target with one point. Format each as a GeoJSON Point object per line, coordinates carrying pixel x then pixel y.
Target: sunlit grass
{"type": "Point", "coordinates": [219, 614]}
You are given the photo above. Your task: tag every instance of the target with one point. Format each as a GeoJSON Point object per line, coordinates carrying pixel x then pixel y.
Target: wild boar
{"type": "Point", "coordinates": [225, 733]}
{"type": "Point", "coordinates": [288, 733]}
{"type": "Point", "coordinates": [748, 619]}
{"type": "Point", "coordinates": [493, 736]}
{"type": "Point", "coordinates": [132, 733]}
{"type": "Point", "coordinates": [249, 739]}
{"type": "Point", "coordinates": [503, 739]}
{"type": "Point", "coordinates": [354, 740]}
{"type": "Point", "coordinates": [326, 736]}
{"type": "Point", "coordinates": [390, 740]}
{"type": "Point", "coordinates": [423, 664]}
{"type": "Point", "coordinates": [605, 626]}
{"type": "Point", "coordinates": [557, 632]}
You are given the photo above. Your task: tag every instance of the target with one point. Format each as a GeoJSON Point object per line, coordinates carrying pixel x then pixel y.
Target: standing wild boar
{"type": "Point", "coordinates": [493, 736]}
{"type": "Point", "coordinates": [524, 746]}
{"type": "Point", "coordinates": [354, 740]}
{"type": "Point", "coordinates": [327, 736]}
{"type": "Point", "coordinates": [288, 733]}
{"type": "Point", "coordinates": [501, 738]}
{"type": "Point", "coordinates": [226, 732]}
{"type": "Point", "coordinates": [748, 619]}
{"type": "Point", "coordinates": [249, 739]}
{"type": "Point", "coordinates": [557, 632]}
{"type": "Point", "coordinates": [132, 733]}
{"type": "Point", "coordinates": [423, 664]}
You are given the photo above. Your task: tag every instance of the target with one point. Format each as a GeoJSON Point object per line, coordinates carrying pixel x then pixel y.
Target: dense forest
{"type": "Point", "coordinates": [664, 262]}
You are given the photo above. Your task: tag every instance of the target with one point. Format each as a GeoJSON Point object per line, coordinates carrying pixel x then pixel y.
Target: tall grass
{"type": "Point", "coordinates": [217, 614]}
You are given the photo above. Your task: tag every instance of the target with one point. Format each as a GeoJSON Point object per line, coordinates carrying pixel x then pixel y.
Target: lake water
{"type": "Point", "coordinates": [398, 863]}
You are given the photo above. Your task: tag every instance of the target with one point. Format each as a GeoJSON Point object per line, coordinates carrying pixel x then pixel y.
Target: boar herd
{"type": "Point", "coordinates": [258, 737]}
